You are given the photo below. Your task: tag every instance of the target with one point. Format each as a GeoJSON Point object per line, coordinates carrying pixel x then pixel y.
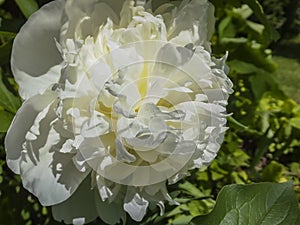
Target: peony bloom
{"type": "Point", "coordinates": [121, 98]}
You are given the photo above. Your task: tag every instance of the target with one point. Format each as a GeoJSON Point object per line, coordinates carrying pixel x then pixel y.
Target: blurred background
{"type": "Point", "coordinates": [263, 143]}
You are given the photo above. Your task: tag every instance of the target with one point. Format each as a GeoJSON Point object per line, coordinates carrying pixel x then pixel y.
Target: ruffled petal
{"type": "Point", "coordinates": [95, 126]}
{"type": "Point", "coordinates": [35, 57]}
{"type": "Point", "coordinates": [135, 205]}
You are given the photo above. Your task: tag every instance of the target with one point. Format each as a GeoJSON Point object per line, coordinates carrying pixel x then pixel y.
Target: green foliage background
{"type": "Point", "coordinates": [263, 143]}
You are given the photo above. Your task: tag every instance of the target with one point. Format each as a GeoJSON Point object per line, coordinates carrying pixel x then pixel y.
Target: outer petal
{"type": "Point", "coordinates": [34, 52]}
{"type": "Point", "coordinates": [196, 16]}
{"type": "Point", "coordinates": [85, 17]}
{"type": "Point", "coordinates": [53, 178]}
{"type": "Point", "coordinates": [32, 150]}
{"type": "Point", "coordinates": [21, 124]}
{"type": "Point", "coordinates": [80, 206]}
{"type": "Point", "coordinates": [45, 172]}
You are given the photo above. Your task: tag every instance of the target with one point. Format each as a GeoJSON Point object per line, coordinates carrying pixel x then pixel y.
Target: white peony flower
{"type": "Point", "coordinates": [119, 100]}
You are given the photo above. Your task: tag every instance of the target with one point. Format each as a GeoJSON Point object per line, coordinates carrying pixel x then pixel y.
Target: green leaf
{"type": "Point", "coordinates": [201, 207]}
{"type": "Point", "coordinates": [12, 25]}
{"type": "Point", "coordinates": [256, 27]}
{"type": "Point", "coordinates": [243, 67]}
{"type": "Point", "coordinates": [273, 172]}
{"type": "Point", "coordinates": [5, 51]}
{"type": "Point", "coordinates": [254, 204]}
{"type": "Point", "coordinates": [238, 40]}
{"type": "Point", "coordinates": [239, 126]}
{"type": "Point", "coordinates": [273, 35]}
{"type": "Point", "coordinates": [295, 122]}
{"type": "Point", "coordinates": [6, 41]}
{"type": "Point", "coordinates": [182, 219]}
{"type": "Point", "coordinates": [226, 28]}
{"type": "Point", "coordinates": [182, 208]}
{"type": "Point", "coordinates": [5, 120]}
{"type": "Point", "coordinates": [254, 54]}
{"type": "Point", "coordinates": [8, 34]}
{"type": "Point", "coordinates": [244, 11]}
{"type": "Point", "coordinates": [217, 172]}
{"type": "Point", "coordinates": [27, 7]}
{"type": "Point", "coordinates": [192, 189]}
{"type": "Point", "coordinates": [7, 100]}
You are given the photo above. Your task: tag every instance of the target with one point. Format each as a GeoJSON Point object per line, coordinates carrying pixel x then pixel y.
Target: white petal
{"type": "Point", "coordinates": [128, 127]}
{"type": "Point", "coordinates": [135, 205]}
{"type": "Point", "coordinates": [34, 52]}
{"type": "Point", "coordinates": [93, 151]}
{"type": "Point", "coordinates": [146, 142]}
{"type": "Point", "coordinates": [49, 174]}
{"type": "Point", "coordinates": [180, 89]}
{"type": "Point", "coordinates": [80, 163]}
{"type": "Point", "coordinates": [79, 221]}
{"type": "Point", "coordinates": [21, 124]}
{"type": "Point", "coordinates": [104, 191]}
{"type": "Point", "coordinates": [124, 56]}
{"type": "Point", "coordinates": [184, 37]}
{"type": "Point", "coordinates": [198, 16]}
{"type": "Point", "coordinates": [96, 13]}
{"type": "Point", "coordinates": [100, 74]}
{"type": "Point", "coordinates": [122, 154]}
{"type": "Point", "coordinates": [94, 127]}
{"type": "Point", "coordinates": [67, 147]}
{"type": "Point", "coordinates": [44, 171]}
{"type": "Point", "coordinates": [121, 107]}
{"type": "Point", "coordinates": [148, 156]}
{"type": "Point", "coordinates": [128, 11]}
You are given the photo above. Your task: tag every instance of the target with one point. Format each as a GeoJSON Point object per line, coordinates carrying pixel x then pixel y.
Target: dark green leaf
{"type": "Point", "coordinates": [273, 35]}
{"type": "Point", "coordinates": [7, 34]}
{"type": "Point", "coordinates": [5, 51]}
{"type": "Point", "coordinates": [7, 100]}
{"type": "Point", "coordinates": [27, 6]}
{"type": "Point", "coordinates": [254, 204]}
{"type": "Point", "coordinates": [255, 55]}
{"type": "Point", "coordinates": [11, 25]}
{"type": "Point", "coordinates": [242, 67]}
{"type": "Point", "coordinates": [5, 120]}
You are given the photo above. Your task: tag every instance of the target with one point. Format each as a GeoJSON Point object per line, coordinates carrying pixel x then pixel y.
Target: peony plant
{"type": "Point", "coordinates": [119, 100]}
